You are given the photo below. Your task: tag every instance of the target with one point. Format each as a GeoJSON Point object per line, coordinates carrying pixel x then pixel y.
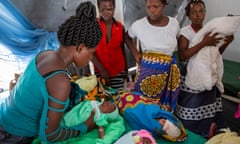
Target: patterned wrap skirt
{"type": "Point", "coordinates": [159, 77]}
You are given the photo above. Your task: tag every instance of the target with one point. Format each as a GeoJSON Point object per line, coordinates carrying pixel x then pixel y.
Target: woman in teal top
{"type": "Point", "coordinates": [37, 103]}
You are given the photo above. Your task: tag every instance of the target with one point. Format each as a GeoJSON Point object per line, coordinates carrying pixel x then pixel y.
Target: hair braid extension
{"type": "Point", "coordinates": [82, 28]}
{"type": "Point", "coordinates": [87, 10]}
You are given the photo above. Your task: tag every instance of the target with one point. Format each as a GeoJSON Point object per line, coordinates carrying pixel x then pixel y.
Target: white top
{"type": "Point", "coordinates": [187, 32]}
{"type": "Point", "coordinates": [161, 39]}
{"type": "Point", "coordinates": [205, 69]}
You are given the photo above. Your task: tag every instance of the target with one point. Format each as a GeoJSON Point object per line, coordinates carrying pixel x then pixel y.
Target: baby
{"type": "Point", "coordinates": [107, 118]}
{"type": "Point", "coordinates": [107, 108]}
{"type": "Point", "coordinates": [144, 113]}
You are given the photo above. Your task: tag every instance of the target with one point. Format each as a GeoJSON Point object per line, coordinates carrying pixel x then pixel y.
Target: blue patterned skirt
{"type": "Point", "coordinates": [159, 77]}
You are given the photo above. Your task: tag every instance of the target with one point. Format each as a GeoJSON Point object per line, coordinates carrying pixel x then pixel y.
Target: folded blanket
{"type": "Point", "coordinates": [205, 69]}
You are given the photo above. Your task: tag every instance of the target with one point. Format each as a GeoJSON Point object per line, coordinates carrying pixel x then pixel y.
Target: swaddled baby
{"type": "Point", "coordinates": [106, 114]}
{"type": "Point", "coordinates": [144, 113]}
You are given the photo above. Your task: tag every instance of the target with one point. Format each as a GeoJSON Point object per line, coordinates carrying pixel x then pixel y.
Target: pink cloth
{"type": "Point", "coordinates": [237, 114]}
{"type": "Point", "coordinates": [145, 134]}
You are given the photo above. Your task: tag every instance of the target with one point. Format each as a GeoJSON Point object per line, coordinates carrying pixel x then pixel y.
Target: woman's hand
{"type": "Point", "coordinates": [228, 39]}
{"type": "Point", "coordinates": [211, 39]}
{"type": "Point", "coordinates": [105, 76]}
{"type": "Point", "coordinates": [138, 57]}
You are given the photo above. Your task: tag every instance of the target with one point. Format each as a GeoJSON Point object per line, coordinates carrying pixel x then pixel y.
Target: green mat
{"type": "Point", "coordinates": [90, 137]}
{"type": "Point", "coordinates": [230, 77]}
{"type": "Point", "coordinates": [192, 138]}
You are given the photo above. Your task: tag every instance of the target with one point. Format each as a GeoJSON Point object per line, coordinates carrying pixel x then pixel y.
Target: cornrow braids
{"type": "Point", "coordinates": [190, 5]}
{"type": "Point", "coordinates": [82, 28]}
{"type": "Point", "coordinates": [99, 1]}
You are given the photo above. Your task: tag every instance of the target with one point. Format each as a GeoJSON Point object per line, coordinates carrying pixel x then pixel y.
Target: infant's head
{"type": "Point", "coordinates": [107, 107]}
{"type": "Point", "coordinates": [110, 110]}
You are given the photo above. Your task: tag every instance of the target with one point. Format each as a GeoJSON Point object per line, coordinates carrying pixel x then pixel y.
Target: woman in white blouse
{"type": "Point", "coordinates": [158, 76]}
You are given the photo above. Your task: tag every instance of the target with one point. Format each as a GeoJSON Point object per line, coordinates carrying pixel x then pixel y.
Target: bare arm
{"type": "Point", "coordinates": [227, 41]}
{"type": "Point", "coordinates": [103, 72]}
{"type": "Point", "coordinates": [132, 47]}
{"type": "Point", "coordinates": [124, 53]}
{"type": "Point", "coordinates": [186, 53]}
{"type": "Point", "coordinates": [59, 89]}
{"type": "Point", "coordinates": [101, 132]}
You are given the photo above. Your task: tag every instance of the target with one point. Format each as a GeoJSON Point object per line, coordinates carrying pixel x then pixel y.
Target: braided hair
{"type": "Point", "coordinates": [81, 28]}
{"type": "Point", "coordinates": [190, 5]}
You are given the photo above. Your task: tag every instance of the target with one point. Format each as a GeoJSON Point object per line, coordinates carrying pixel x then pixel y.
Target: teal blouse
{"type": "Point", "coordinates": [24, 112]}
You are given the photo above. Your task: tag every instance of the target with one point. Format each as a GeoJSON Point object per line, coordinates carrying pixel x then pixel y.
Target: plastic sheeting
{"type": "Point", "coordinates": [20, 40]}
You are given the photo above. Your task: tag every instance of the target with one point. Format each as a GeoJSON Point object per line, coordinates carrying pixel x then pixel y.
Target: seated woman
{"type": "Point", "coordinates": [144, 113]}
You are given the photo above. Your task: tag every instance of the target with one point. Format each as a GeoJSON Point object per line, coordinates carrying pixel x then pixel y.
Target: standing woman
{"type": "Point", "coordinates": [158, 76]}
{"type": "Point", "coordinates": [40, 98]}
{"type": "Point", "coordinates": [109, 59]}
{"type": "Point", "coordinates": [198, 109]}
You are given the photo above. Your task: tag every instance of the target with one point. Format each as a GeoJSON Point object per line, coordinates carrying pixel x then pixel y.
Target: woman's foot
{"type": "Point", "coordinates": [212, 130]}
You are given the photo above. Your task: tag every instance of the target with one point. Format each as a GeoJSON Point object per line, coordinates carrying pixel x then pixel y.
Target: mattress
{"type": "Point", "coordinates": [230, 77]}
